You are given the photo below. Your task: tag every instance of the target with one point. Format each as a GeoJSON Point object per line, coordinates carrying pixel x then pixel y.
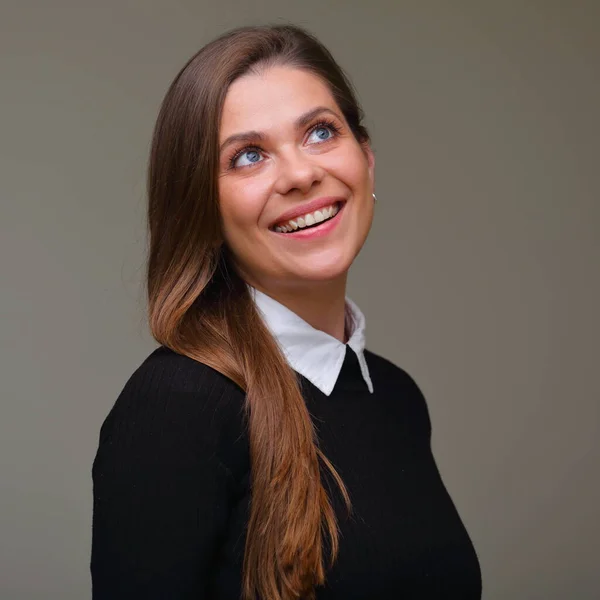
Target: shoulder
{"type": "Point", "coordinates": [174, 385]}
{"type": "Point", "coordinates": [176, 400]}
{"type": "Point", "coordinates": [389, 373]}
{"type": "Point", "coordinates": [399, 384]}
{"type": "Point", "coordinates": [179, 373]}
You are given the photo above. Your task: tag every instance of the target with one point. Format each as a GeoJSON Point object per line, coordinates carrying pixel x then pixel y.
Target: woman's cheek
{"type": "Point", "coordinates": [243, 206]}
{"type": "Point", "coordinates": [351, 168]}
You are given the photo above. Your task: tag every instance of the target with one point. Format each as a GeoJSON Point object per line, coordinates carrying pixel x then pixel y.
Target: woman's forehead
{"type": "Point", "coordinates": [275, 97]}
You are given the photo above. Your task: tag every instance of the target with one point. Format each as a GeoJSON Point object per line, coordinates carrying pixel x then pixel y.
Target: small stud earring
{"type": "Point", "coordinates": [375, 197]}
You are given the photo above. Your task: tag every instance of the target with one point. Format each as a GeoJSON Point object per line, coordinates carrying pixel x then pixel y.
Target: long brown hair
{"type": "Point", "coordinates": [200, 307]}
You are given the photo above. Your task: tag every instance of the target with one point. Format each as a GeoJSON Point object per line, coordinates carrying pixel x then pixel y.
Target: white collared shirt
{"type": "Point", "coordinates": [309, 351]}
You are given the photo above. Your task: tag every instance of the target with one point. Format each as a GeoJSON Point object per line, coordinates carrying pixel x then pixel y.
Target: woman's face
{"type": "Point", "coordinates": [284, 144]}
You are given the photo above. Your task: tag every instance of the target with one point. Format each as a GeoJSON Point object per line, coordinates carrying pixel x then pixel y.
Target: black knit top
{"type": "Point", "coordinates": [171, 483]}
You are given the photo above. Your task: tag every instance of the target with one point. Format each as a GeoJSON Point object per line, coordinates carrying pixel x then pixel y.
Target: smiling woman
{"type": "Point", "coordinates": [261, 451]}
{"type": "Point", "coordinates": [301, 157]}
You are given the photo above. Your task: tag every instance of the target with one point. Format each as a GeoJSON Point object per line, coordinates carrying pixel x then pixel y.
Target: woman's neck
{"type": "Point", "coordinates": [321, 304]}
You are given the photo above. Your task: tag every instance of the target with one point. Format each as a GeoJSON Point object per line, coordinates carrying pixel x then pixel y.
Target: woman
{"type": "Point", "coordinates": [261, 451]}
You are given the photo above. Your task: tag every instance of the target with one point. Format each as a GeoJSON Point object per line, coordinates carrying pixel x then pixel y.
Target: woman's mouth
{"type": "Point", "coordinates": [314, 224]}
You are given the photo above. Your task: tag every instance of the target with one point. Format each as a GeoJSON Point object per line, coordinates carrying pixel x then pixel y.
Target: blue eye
{"type": "Point", "coordinates": [322, 132]}
{"type": "Point", "coordinates": [253, 157]}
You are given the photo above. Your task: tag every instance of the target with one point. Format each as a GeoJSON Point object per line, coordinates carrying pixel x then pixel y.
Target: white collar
{"type": "Point", "coordinates": [311, 352]}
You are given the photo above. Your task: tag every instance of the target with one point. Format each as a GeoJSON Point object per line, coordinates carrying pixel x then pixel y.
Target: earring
{"type": "Point", "coordinates": [375, 197]}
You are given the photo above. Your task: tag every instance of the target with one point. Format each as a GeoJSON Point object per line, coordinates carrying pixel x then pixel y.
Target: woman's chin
{"type": "Point", "coordinates": [322, 270]}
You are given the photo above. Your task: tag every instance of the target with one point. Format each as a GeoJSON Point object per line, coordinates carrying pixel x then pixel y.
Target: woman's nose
{"type": "Point", "coordinates": [297, 170]}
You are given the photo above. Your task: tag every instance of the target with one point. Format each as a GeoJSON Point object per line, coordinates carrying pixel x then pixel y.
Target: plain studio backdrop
{"type": "Point", "coordinates": [480, 276]}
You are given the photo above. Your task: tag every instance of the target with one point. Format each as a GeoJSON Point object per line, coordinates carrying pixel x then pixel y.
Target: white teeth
{"type": "Point", "coordinates": [310, 219]}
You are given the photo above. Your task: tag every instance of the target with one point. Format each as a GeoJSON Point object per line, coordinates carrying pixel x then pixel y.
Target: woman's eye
{"type": "Point", "coordinates": [323, 133]}
{"type": "Point", "coordinates": [251, 156]}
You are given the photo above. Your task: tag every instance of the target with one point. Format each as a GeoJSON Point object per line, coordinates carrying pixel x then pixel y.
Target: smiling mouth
{"type": "Point", "coordinates": [301, 224]}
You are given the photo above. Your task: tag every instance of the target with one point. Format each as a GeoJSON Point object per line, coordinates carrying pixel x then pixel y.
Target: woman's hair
{"type": "Point", "coordinates": [199, 306]}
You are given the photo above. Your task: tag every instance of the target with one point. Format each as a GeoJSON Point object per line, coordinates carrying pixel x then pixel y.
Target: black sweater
{"type": "Point", "coordinates": [171, 488]}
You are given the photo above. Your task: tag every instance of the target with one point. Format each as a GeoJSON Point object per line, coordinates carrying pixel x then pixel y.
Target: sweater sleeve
{"type": "Point", "coordinates": [161, 491]}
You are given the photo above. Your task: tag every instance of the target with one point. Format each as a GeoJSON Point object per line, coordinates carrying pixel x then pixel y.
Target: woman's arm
{"type": "Point", "coordinates": [161, 492]}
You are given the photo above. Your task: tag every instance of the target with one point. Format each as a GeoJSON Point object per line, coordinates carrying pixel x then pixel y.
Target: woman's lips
{"type": "Point", "coordinates": [320, 230]}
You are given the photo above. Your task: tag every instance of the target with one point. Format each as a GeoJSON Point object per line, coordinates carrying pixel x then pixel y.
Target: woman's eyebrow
{"type": "Point", "coordinates": [301, 121]}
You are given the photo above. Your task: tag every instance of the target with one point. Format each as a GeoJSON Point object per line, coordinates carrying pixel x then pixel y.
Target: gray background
{"type": "Point", "coordinates": [480, 276]}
